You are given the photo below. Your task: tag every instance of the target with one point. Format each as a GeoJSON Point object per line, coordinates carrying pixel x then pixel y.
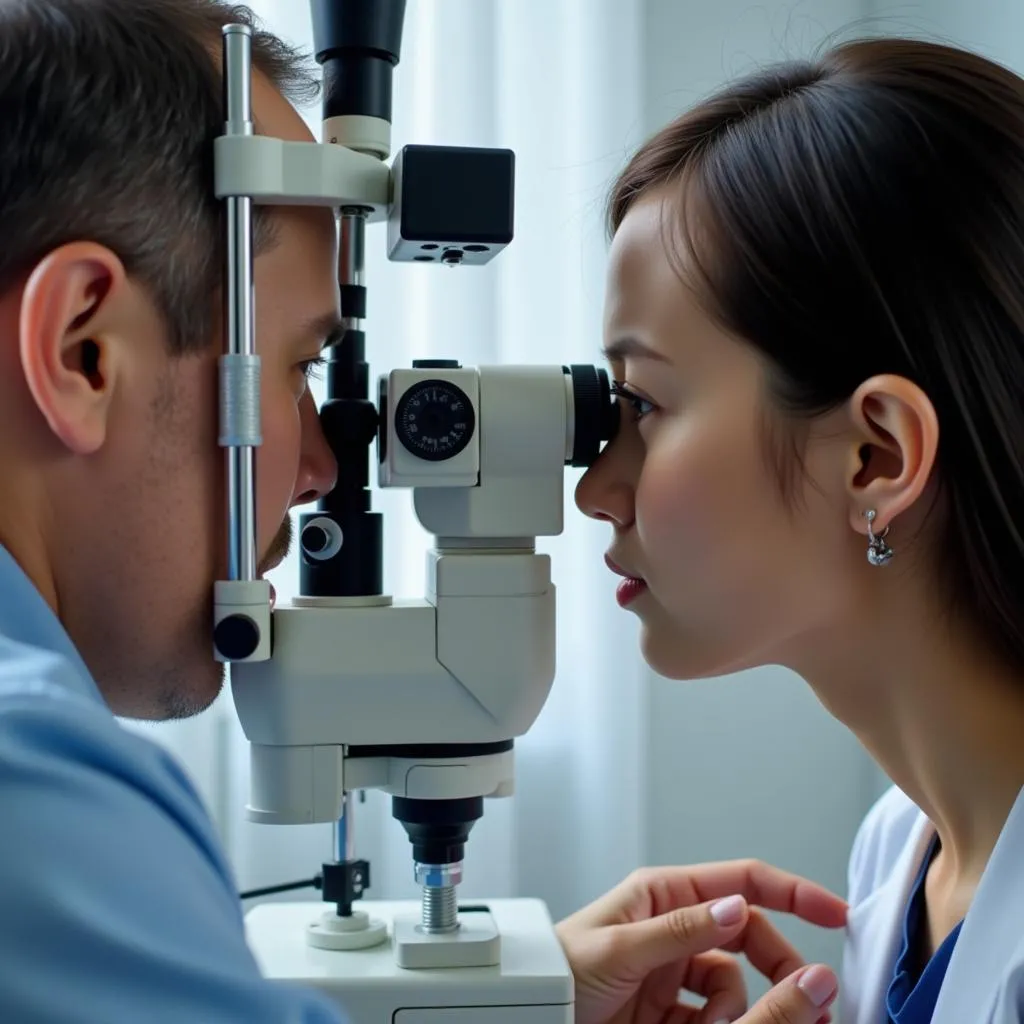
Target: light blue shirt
{"type": "Point", "coordinates": [116, 902]}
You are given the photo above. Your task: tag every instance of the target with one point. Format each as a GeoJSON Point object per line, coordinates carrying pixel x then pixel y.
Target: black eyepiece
{"type": "Point", "coordinates": [596, 413]}
{"type": "Point", "coordinates": [358, 42]}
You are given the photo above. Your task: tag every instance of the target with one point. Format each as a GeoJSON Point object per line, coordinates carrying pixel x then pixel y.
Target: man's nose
{"type": "Point", "coordinates": [318, 469]}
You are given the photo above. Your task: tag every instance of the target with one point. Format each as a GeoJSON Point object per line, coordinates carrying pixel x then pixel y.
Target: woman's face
{"type": "Point", "coordinates": [733, 575]}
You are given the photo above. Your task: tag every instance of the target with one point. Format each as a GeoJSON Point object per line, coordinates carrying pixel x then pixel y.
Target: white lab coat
{"type": "Point", "coordinates": [984, 983]}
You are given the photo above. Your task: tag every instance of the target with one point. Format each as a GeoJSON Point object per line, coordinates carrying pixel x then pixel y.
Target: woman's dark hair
{"type": "Point", "coordinates": [860, 214]}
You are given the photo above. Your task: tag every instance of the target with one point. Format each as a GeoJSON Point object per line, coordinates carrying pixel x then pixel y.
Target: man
{"type": "Point", "coordinates": [116, 903]}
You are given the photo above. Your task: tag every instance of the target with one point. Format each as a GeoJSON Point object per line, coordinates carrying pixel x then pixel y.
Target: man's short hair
{"type": "Point", "coordinates": [108, 111]}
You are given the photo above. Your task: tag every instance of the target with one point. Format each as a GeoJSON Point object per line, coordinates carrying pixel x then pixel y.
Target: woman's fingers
{"type": "Point", "coordinates": [761, 884]}
{"type": "Point", "coordinates": [766, 948]}
{"type": "Point", "coordinates": [717, 977]}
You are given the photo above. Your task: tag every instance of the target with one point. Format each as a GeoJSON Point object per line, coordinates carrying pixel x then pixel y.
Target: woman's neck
{"type": "Point", "coordinates": [942, 718]}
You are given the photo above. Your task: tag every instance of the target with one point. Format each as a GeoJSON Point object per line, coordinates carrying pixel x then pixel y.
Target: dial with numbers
{"type": "Point", "coordinates": [435, 420]}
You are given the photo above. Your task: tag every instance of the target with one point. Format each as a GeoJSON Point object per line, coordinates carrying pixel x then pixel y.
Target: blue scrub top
{"type": "Point", "coordinates": [911, 999]}
{"type": "Point", "coordinates": [116, 902]}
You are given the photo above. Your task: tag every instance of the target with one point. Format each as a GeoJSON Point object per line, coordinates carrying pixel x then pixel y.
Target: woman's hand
{"type": "Point", "coordinates": [663, 930]}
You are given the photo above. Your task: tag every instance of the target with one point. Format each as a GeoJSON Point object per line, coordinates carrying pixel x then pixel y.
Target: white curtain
{"type": "Point", "coordinates": [558, 82]}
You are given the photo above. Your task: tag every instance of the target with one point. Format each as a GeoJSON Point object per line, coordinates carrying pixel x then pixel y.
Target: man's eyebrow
{"type": "Point", "coordinates": [623, 348]}
{"type": "Point", "coordinates": [326, 329]}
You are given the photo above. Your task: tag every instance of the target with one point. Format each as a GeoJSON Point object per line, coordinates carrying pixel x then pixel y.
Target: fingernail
{"type": "Point", "coordinates": [818, 984]}
{"type": "Point", "coordinates": [728, 911]}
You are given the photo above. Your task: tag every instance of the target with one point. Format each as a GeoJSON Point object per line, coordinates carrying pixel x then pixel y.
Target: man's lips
{"type": "Point", "coordinates": [269, 566]}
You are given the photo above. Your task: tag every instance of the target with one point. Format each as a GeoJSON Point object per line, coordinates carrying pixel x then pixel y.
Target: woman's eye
{"type": "Point", "coordinates": [641, 406]}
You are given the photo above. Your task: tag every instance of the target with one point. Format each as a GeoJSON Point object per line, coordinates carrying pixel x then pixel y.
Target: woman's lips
{"type": "Point", "coordinates": [631, 586]}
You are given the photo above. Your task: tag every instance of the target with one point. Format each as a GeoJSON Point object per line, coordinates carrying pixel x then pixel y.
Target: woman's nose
{"type": "Point", "coordinates": [605, 492]}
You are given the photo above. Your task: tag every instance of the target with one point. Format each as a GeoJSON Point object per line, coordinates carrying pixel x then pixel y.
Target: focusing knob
{"type": "Point", "coordinates": [321, 539]}
{"type": "Point", "coordinates": [314, 539]}
{"type": "Point", "coordinates": [236, 637]}
{"type": "Point", "coordinates": [435, 420]}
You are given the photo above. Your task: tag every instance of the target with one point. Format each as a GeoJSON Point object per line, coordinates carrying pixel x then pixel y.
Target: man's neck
{"type": "Point", "coordinates": [25, 544]}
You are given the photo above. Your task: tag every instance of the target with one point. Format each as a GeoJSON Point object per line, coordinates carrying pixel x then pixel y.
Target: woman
{"type": "Point", "coordinates": [815, 315]}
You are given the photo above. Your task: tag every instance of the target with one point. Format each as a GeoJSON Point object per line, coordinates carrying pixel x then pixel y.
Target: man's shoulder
{"type": "Point", "coordinates": [111, 875]}
{"type": "Point", "coordinates": [881, 839]}
{"type": "Point", "coordinates": [53, 726]}
{"type": "Point", "coordinates": [31, 673]}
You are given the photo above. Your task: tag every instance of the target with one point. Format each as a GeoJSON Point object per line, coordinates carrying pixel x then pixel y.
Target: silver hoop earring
{"type": "Point", "coordinates": [879, 553]}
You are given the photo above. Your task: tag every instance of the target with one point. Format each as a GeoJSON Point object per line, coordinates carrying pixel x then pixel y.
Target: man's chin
{"type": "Point", "coordinates": [194, 697]}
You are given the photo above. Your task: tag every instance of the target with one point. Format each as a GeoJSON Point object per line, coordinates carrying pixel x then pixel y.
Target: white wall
{"type": "Point", "coordinates": [750, 765]}
{"type": "Point", "coordinates": [994, 28]}
{"type": "Point", "coordinates": [693, 46]}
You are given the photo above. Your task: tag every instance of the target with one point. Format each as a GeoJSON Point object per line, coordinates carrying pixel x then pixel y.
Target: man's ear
{"type": "Point", "coordinates": [894, 455]}
{"type": "Point", "coordinates": [68, 310]}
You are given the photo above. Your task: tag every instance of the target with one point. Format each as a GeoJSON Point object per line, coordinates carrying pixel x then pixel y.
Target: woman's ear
{"type": "Point", "coordinates": [895, 452]}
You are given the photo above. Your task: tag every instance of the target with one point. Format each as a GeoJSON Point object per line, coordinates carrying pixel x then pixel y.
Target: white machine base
{"type": "Point", "coordinates": [477, 943]}
{"type": "Point", "coordinates": [531, 983]}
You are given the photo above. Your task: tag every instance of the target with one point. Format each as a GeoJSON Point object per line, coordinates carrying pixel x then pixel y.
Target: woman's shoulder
{"type": "Point", "coordinates": [880, 840]}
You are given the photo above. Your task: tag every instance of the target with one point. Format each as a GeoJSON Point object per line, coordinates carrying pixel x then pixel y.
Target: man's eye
{"type": "Point", "coordinates": [311, 367]}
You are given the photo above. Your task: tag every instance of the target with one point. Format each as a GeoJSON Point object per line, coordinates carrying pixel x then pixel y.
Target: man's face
{"type": "Point", "coordinates": [136, 523]}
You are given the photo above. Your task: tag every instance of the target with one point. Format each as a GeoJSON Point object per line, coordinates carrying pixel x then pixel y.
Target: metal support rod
{"type": "Point", "coordinates": [344, 845]}
{"type": "Point", "coordinates": [352, 254]}
{"type": "Point", "coordinates": [240, 370]}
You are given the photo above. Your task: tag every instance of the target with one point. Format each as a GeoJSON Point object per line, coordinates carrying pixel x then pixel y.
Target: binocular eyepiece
{"type": "Point", "coordinates": [435, 418]}
{"type": "Point", "coordinates": [595, 413]}
{"type": "Point", "coordinates": [485, 450]}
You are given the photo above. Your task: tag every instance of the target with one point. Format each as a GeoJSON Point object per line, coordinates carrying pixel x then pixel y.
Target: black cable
{"type": "Point", "coordinates": [310, 883]}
